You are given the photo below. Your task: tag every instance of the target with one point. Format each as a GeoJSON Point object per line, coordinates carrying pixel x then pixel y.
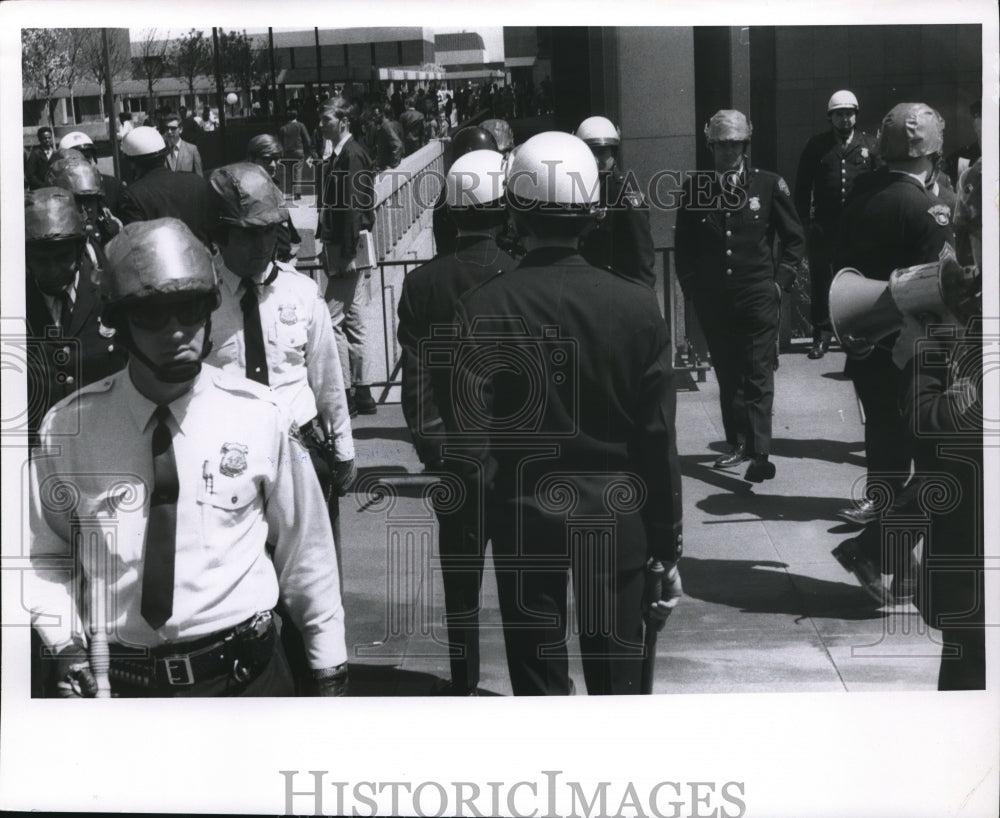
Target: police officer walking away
{"type": "Point", "coordinates": [185, 479]}
{"type": "Point", "coordinates": [570, 379]}
{"type": "Point", "coordinates": [622, 239]}
{"type": "Point", "coordinates": [891, 220]}
{"type": "Point", "coordinates": [829, 164]}
{"type": "Point", "coordinates": [474, 194]}
{"type": "Point", "coordinates": [158, 192]}
{"type": "Point", "coordinates": [725, 233]}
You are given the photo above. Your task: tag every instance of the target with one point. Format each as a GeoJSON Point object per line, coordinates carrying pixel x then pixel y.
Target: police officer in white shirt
{"type": "Point", "coordinates": [273, 327]}
{"type": "Point", "coordinates": [187, 506]}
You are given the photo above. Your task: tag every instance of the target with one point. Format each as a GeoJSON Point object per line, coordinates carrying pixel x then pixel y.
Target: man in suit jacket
{"type": "Point", "coordinates": [158, 192]}
{"type": "Point", "coordinates": [345, 210]}
{"type": "Point", "coordinates": [181, 155]}
{"type": "Point", "coordinates": [66, 339]}
{"type": "Point", "coordinates": [36, 164]}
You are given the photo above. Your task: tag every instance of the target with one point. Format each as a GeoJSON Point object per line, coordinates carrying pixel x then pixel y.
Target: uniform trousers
{"type": "Point", "coordinates": [532, 590]}
{"type": "Point", "coordinates": [462, 538]}
{"type": "Point", "coordinates": [741, 328]}
{"type": "Point", "coordinates": [820, 276]}
{"type": "Point", "coordinates": [877, 381]}
{"type": "Point", "coordinates": [888, 451]}
{"type": "Point", "coordinates": [347, 296]}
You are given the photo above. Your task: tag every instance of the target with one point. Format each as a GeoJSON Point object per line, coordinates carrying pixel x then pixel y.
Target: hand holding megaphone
{"type": "Point", "coordinates": [864, 311]}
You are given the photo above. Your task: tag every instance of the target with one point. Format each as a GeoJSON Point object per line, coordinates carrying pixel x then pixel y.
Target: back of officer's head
{"type": "Point", "coordinates": [553, 186]}
{"type": "Point", "coordinates": [474, 191]}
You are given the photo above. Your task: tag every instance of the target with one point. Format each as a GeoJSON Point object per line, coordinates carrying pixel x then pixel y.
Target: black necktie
{"type": "Point", "coordinates": [161, 528]}
{"type": "Point", "coordinates": [65, 310]}
{"type": "Point", "coordinates": [253, 335]}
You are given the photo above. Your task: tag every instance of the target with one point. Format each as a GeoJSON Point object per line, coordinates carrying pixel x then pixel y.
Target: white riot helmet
{"type": "Point", "coordinates": [842, 99]}
{"type": "Point", "coordinates": [143, 142]}
{"type": "Point", "coordinates": [76, 139]}
{"type": "Point", "coordinates": [598, 131]}
{"type": "Point", "coordinates": [556, 172]}
{"type": "Point", "coordinates": [476, 179]}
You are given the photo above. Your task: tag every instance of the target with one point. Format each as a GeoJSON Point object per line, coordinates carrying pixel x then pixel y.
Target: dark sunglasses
{"type": "Point", "coordinates": [154, 317]}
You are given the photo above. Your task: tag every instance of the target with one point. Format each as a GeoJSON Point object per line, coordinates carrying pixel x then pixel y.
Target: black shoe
{"type": "Point", "coordinates": [865, 571]}
{"type": "Point", "coordinates": [734, 458]}
{"type": "Point", "coordinates": [818, 350]}
{"type": "Point", "coordinates": [352, 407]}
{"type": "Point", "coordinates": [364, 401]}
{"type": "Point", "coordinates": [760, 469]}
{"type": "Point", "coordinates": [862, 514]}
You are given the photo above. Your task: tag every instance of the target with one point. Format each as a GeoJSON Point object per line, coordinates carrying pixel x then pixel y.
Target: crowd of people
{"type": "Point", "coordinates": [214, 385]}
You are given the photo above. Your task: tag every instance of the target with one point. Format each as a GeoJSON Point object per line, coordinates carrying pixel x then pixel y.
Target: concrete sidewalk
{"type": "Point", "coordinates": [766, 607]}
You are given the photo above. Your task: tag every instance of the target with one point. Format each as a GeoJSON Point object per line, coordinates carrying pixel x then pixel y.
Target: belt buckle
{"type": "Point", "coordinates": [179, 671]}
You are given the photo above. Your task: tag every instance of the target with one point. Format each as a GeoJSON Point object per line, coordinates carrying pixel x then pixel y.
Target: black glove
{"type": "Point", "coordinates": [331, 681]}
{"type": "Point", "coordinates": [344, 474]}
{"type": "Point", "coordinates": [74, 679]}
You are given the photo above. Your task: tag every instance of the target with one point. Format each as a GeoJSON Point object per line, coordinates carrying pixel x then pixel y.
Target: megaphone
{"type": "Point", "coordinates": [864, 311]}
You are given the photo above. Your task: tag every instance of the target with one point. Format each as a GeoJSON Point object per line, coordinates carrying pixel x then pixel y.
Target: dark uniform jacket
{"type": "Point", "coordinates": [179, 194]}
{"type": "Point", "coordinates": [891, 220]}
{"type": "Point", "coordinates": [826, 174]}
{"type": "Point", "coordinates": [426, 312]}
{"type": "Point", "coordinates": [114, 190]}
{"type": "Point", "coordinates": [725, 234]}
{"type": "Point", "coordinates": [348, 201]}
{"type": "Point", "coordinates": [67, 358]}
{"type": "Point", "coordinates": [622, 239]}
{"type": "Point", "coordinates": [581, 365]}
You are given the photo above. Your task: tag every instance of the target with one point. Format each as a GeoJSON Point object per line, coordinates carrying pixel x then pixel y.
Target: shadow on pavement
{"type": "Point", "coordinates": [789, 508]}
{"type": "Point", "coordinates": [752, 587]}
{"type": "Point", "coordinates": [832, 451]}
{"type": "Point", "coordinates": [381, 433]}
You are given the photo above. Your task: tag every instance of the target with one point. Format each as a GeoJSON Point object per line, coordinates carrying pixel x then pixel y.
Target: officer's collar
{"type": "Point", "coordinates": [140, 408]}
{"type": "Point", "coordinates": [733, 176]}
{"type": "Point", "coordinates": [232, 282]}
{"type": "Point", "coordinates": [549, 255]}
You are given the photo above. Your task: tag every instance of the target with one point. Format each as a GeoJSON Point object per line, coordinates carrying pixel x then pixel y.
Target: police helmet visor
{"type": "Point", "coordinates": [153, 315]}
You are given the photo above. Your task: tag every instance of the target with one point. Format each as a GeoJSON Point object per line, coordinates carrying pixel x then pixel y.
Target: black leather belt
{"type": "Point", "coordinates": [241, 652]}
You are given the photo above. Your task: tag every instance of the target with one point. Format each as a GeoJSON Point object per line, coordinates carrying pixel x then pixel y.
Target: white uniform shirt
{"type": "Point", "coordinates": [303, 367]}
{"type": "Point", "coordinates": [244, 482]}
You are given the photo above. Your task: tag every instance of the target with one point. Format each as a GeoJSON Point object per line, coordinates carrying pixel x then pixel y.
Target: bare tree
{"type": "Point", "coordinates": [151, 64]}
{"type": "Point", "coordinates": [74, 43]}
{"type": "Point", "coordinates": [119, 59]}
{"type": "Point", "coordinates": [243, 63]}
{"type": "Point", "coordinates": [192, 57]}
{"type": "Point", "coordinates": [44, 66]}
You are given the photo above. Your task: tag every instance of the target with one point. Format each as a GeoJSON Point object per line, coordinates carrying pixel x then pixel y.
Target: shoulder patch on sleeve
{"type": "Point", "coordinates": [783, 186]}
{"type": "Point", "coordinates": [941, 213]}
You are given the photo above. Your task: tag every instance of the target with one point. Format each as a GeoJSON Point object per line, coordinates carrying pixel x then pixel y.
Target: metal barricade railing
{"type": "Point", "coordinates": [688, 339]}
